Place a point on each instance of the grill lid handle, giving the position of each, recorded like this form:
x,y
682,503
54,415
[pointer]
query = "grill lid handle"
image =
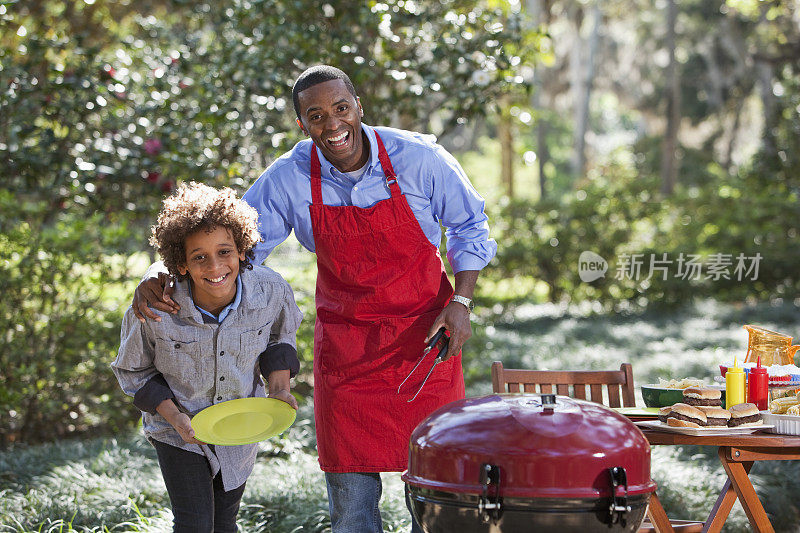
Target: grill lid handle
x,y
619,507
490,506
548,403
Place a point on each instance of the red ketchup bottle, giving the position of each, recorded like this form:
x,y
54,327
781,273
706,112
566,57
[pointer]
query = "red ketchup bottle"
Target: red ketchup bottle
x,y
758,387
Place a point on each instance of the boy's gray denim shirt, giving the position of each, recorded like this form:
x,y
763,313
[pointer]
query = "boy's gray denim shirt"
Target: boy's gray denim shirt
x,y
205,364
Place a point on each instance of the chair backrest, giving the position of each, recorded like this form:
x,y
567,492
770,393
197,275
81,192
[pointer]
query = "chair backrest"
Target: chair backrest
x,y
618,383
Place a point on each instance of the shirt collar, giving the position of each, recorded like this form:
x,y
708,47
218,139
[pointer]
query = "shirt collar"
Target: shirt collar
x,y
327,169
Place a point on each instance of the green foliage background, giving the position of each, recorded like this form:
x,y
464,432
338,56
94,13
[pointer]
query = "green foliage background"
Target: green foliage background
x,y
106,105
617,213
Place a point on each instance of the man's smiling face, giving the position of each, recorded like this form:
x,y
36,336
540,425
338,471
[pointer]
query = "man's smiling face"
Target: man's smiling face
x,y
331,116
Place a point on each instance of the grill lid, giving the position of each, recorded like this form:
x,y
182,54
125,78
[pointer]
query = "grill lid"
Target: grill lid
x,y
542,446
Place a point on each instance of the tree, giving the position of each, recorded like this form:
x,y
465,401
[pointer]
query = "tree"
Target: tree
x,y
76,181
539,15
582,86
669,144
505,135
105,105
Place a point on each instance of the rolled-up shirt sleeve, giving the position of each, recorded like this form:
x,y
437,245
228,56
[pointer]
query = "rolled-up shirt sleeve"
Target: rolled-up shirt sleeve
x,y
281,353
152,393
460,209
134,365
279,357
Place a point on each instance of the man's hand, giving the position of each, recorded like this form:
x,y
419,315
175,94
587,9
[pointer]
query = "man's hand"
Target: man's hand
x,y
455,316
154,292
455,319
178,420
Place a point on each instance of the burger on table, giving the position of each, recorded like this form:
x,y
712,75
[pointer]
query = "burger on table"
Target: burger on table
x,y
702,407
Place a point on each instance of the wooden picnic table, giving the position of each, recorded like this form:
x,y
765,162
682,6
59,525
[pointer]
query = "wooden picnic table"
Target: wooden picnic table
x,y
737,453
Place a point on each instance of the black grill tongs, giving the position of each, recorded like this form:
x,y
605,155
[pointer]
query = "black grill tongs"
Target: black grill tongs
x,y
442,351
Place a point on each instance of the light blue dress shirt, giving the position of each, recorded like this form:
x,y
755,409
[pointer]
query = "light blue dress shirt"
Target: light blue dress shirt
x,y
435,186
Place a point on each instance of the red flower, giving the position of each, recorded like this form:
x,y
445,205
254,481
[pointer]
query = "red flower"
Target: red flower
x,y
152,177
108,72
153,146
167,186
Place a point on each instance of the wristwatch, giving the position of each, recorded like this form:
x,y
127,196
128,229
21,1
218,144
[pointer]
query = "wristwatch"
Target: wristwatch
x,y
463,300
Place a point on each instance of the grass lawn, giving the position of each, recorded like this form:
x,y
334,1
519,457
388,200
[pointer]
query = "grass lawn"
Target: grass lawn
x,y
115,484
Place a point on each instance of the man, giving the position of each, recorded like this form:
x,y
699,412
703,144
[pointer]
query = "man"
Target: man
x,y
369,201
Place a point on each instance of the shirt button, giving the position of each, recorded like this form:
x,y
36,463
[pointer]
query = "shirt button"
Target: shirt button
x,y
259,332
222,378
222,352
177,346
219,398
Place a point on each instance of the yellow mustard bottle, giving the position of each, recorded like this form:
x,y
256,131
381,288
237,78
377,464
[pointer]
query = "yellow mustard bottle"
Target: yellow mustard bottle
x,y
734,386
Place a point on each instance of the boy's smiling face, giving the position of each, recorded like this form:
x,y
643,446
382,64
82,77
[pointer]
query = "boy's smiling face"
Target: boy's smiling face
x,y
212,263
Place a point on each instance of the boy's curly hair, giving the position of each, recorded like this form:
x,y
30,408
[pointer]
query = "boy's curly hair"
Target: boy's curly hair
x,y
194,207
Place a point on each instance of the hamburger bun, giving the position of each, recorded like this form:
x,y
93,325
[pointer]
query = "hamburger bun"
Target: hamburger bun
x,y
682,412
702,396
663,413
716,416
719,411
743,409
744,415
674,422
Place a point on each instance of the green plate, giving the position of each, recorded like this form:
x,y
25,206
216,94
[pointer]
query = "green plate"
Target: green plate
x,y
651,412
242,421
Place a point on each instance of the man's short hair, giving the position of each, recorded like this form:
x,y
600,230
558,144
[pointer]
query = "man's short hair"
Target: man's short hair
x,y
315,75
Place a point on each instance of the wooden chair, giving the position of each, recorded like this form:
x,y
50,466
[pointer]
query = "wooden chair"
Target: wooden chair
x,y
618,383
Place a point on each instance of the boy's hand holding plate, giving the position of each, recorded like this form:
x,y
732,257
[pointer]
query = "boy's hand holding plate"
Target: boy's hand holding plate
x,y
243,421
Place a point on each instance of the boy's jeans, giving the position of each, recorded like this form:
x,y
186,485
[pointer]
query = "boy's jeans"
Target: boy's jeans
x,y
199,502
353,502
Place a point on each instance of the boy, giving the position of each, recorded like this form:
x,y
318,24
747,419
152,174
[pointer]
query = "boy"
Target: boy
x,y
235,320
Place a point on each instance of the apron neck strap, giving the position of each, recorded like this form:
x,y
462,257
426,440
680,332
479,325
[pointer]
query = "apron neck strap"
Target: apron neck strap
x,y
386,165
316,177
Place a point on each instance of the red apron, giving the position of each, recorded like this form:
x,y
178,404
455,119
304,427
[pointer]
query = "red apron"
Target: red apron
x,y
380,285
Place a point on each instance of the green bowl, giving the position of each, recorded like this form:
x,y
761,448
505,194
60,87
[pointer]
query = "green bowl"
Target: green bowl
x,y
655,396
